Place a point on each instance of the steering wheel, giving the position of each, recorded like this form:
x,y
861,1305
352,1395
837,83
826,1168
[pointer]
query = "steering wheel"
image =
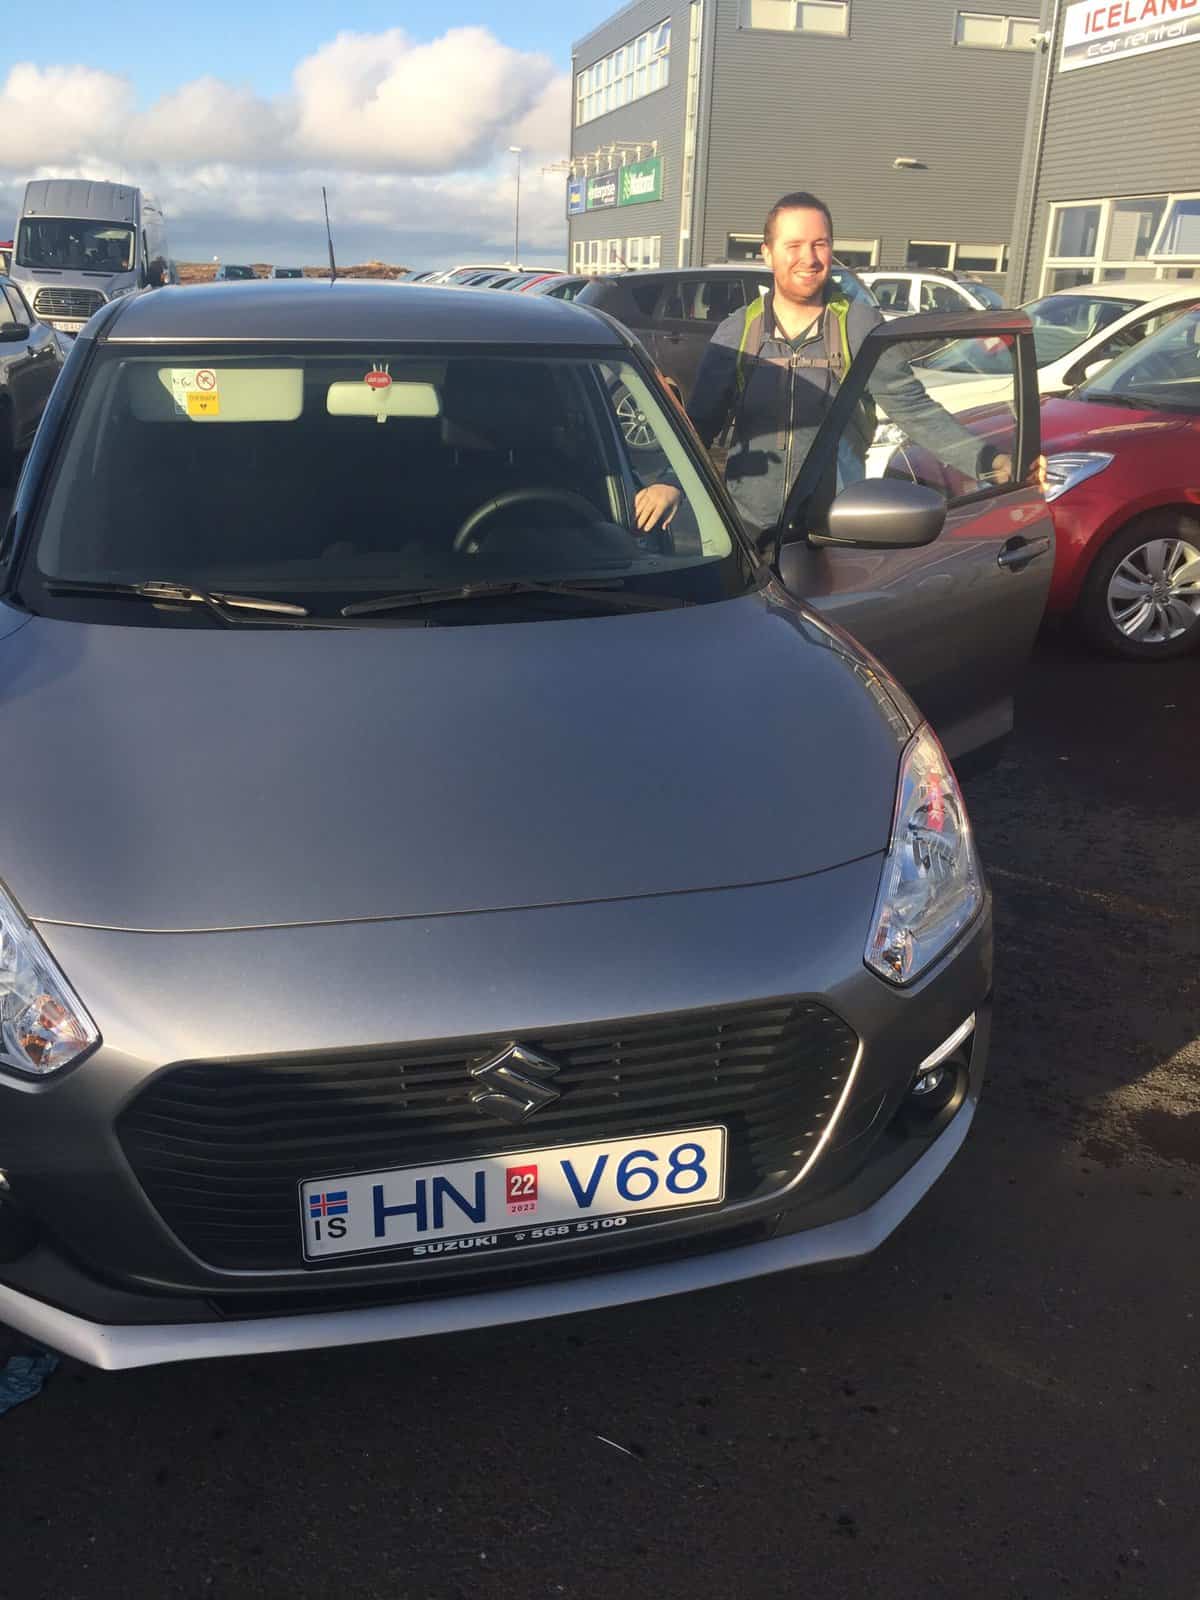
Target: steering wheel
x,y
466,536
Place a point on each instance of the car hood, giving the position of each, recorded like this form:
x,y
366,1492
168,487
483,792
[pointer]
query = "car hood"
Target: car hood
x,y
187,779
1090,424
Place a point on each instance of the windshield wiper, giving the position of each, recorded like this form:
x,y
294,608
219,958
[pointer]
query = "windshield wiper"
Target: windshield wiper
x,y
224,606
616,598
1104,398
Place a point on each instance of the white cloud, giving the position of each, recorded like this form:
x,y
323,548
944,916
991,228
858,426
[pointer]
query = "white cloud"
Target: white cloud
x,y
53,114
412,139
380,101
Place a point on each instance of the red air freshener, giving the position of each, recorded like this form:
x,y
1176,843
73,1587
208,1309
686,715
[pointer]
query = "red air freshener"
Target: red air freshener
x,y
378,380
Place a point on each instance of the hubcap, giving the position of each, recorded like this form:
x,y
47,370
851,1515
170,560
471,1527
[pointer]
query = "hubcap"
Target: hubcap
x,y
632,419
1154,595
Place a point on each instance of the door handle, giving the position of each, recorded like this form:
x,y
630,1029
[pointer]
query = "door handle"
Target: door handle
x,y
673,338
1019,552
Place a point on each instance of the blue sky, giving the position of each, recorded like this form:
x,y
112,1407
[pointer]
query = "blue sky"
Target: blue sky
x,y
162,45
234,115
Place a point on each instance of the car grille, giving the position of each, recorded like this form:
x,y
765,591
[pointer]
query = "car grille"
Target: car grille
x,y
68,302
220,1148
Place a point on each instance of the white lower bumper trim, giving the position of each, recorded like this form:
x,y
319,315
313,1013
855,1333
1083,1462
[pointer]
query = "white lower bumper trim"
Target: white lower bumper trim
x,y
114,1348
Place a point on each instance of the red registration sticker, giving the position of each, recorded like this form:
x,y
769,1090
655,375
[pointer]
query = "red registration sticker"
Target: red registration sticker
x,y
521,1188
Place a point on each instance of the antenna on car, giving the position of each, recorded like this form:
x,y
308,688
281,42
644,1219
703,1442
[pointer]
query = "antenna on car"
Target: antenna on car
x,y
329,236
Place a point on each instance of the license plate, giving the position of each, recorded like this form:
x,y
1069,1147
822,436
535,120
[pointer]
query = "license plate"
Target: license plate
x,y
524,1197
67,327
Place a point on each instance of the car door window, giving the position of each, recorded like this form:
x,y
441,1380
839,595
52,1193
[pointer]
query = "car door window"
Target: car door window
x,y
13,308
707,300
892,293
942,297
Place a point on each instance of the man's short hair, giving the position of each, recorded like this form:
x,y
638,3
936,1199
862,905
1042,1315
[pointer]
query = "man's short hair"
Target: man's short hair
x,y
800,200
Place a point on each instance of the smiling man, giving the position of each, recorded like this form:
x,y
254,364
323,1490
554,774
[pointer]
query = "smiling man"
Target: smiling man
x,y
772,369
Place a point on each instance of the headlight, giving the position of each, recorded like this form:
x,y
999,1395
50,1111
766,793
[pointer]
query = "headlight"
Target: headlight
x,y
889,434
1064,471
43,1026
932,885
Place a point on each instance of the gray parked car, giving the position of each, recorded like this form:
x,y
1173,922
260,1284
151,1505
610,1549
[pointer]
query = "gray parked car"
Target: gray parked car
x,y
30,361
439,904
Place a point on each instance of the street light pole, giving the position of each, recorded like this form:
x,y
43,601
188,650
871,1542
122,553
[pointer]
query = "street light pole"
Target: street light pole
x,y
515,149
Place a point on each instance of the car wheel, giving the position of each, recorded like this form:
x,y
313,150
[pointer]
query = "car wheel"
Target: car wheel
x,y
634,424
1141,598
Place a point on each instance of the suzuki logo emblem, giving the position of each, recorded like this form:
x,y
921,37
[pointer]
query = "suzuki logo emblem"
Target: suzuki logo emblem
x,y
514,1084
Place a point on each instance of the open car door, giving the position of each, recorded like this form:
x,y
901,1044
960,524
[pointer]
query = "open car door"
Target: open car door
x,y
954,619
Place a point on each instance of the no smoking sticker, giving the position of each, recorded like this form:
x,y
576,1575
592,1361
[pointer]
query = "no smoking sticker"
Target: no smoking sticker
x,y
195,391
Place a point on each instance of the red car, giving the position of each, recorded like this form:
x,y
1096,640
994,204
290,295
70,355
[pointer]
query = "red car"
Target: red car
x,y
1124,483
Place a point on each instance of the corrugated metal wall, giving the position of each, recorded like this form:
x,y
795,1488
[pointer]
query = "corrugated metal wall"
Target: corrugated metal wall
x,y
1129,127
831,115
656,116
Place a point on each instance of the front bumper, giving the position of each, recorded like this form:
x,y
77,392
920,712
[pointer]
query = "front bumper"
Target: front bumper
x,y
105,1278
116,1347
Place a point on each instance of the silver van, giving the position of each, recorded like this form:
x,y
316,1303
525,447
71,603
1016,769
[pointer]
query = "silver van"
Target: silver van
x,y
82,244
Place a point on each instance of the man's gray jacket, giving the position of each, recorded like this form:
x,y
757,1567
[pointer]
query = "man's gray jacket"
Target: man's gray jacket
x,y
776,396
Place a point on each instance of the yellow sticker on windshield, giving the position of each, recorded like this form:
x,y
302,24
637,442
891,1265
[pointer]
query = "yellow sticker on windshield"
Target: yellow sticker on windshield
x,y
203,403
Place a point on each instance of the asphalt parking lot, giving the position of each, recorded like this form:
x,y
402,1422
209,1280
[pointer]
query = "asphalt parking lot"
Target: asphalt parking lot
x,y
1002,1402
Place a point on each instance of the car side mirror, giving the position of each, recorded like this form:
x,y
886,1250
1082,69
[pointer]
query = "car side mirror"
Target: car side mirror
x,y
1093,370
883,514
13,333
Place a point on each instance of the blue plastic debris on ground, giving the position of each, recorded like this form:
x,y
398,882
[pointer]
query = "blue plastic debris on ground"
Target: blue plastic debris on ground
x,y
22,1377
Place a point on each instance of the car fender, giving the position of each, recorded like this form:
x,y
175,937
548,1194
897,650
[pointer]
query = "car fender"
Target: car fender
x,y
1084,524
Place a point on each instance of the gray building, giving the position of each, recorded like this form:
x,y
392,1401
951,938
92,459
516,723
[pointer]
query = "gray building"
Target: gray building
x,y
909,120
1110,183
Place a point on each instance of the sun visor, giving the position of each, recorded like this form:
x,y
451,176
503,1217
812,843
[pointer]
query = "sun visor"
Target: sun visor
x,y
216,394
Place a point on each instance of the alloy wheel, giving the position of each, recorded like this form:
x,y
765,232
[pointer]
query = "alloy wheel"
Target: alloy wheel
x,y
634,424
1154,593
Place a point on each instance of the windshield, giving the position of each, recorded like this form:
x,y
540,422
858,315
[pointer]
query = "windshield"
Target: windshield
x,y
1061,322
68,245
328,479
1162,371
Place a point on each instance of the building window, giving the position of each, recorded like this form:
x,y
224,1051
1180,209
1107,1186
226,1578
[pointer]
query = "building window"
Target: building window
x,y
830,17
614,256
983,30
1179,236
856,252
1134,237
643,253
633,70
980,258
1076,231
930,255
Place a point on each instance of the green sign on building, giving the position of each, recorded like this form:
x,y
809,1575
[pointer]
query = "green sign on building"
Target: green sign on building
x,y
640,181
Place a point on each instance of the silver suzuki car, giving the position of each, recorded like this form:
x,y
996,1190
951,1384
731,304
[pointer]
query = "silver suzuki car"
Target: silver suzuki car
x,y
427,901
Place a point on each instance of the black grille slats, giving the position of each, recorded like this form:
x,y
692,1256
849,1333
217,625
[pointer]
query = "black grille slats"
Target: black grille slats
x,y
63,302
221,1147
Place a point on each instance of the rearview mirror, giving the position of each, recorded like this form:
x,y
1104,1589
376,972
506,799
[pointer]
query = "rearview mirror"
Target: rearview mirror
x,y
13,333
884,514
1094,369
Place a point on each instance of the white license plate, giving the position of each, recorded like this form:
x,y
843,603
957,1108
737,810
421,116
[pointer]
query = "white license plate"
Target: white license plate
x,y
68,327
524,1197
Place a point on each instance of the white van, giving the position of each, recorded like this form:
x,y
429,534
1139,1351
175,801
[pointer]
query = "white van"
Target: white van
x,y
81,244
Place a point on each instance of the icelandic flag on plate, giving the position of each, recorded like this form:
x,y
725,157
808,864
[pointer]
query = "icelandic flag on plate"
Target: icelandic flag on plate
x,y
334,1203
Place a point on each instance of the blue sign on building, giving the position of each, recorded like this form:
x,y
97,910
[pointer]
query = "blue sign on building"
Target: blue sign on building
x,y
576,197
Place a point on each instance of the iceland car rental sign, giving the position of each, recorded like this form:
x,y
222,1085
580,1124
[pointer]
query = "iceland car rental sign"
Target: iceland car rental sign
x,y
1096,31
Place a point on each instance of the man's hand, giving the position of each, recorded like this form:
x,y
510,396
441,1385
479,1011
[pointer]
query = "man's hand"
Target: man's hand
x,y
1000,471
656,504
